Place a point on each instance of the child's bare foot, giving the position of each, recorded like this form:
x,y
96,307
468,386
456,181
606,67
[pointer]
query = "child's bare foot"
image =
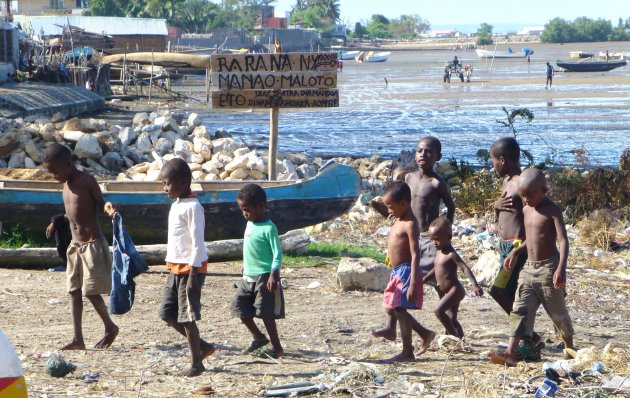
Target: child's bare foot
x,y
193,371
108,339
74,345
279,353
536,339
426,343
207,351
502,358
402,357
385,333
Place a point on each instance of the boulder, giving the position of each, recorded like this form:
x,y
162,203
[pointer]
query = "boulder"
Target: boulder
x,y
88,147
29,163
237,163
140,119
73,124
196,158
201,132
113,161
211,177
297,158
198,175
127,136
7,144
256,175
72,135
46,127
33,151
3,164
152,175
163,146
222,133
108,141
256,163
226,145
486,267
307,171
58,117
362,274
194,120
212,167
144,144
241,151
239,174
93,125
16,161
151,127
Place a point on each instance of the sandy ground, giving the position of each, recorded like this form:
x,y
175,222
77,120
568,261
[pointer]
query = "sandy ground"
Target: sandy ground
x,y
325,330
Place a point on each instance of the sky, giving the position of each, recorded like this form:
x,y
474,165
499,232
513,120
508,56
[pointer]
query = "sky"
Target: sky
x,y
454,13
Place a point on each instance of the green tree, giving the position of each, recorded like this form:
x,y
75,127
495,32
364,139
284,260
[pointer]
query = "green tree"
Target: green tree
x,y
558,30
107,8
198,16
359,31
484,34
587,30
408,26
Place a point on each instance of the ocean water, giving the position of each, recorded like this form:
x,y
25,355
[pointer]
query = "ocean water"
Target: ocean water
x,y
387,107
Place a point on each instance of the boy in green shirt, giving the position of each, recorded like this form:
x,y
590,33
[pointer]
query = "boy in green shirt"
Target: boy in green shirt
x,y
259,293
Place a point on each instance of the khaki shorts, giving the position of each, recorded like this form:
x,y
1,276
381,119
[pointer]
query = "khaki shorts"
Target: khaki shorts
x,y
89,267
535,287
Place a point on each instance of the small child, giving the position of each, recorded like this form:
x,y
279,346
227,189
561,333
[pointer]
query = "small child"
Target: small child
x,y
428,189
445,271
259,292
89,260
543,278
186,259
404,290
505,154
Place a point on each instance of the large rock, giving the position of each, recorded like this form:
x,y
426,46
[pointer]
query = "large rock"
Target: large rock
x,y
237,163
73,124
163,146
72,135
108,141
34,152
88,147
17,160
127,136
226,145
201,132
362,274
143,143
58,117
486,267
7,144
113,161
140,119
194,120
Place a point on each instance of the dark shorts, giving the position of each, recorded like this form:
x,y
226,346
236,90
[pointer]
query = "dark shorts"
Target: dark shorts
x,y
253,299
427,257
176,304
508,280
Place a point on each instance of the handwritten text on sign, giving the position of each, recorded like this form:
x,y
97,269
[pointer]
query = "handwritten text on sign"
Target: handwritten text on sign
x,y
306,98
273,80
288,62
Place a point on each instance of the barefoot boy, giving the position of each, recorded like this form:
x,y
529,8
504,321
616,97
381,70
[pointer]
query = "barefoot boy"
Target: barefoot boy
x,y
186,259
543,278
259,292
404,290
428,189
89,259
445,272
505,154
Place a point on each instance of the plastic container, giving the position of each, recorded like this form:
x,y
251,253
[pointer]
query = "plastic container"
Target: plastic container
x,y
12,384
547,389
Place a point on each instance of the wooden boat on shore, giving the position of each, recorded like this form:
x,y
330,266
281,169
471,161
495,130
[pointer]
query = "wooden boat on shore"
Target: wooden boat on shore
x,y
504,54
291,204
580,54
590,66
371,56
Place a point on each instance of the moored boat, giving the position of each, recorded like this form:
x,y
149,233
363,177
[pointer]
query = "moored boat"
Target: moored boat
x,y
590,66
290,204
504,54
346,55
580,54
371,56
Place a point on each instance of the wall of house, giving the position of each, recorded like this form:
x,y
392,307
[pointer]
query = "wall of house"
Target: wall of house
x,y
43,7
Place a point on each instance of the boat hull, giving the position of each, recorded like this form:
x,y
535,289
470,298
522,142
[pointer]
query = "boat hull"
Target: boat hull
x,y
499,54
326,196
590,66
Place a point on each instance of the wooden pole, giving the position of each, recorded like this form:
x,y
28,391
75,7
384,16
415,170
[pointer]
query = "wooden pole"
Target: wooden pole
x,y
273,142
123,73
207,85
151,78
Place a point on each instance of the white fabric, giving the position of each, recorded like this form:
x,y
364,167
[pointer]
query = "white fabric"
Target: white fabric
x,y
9,361
186,225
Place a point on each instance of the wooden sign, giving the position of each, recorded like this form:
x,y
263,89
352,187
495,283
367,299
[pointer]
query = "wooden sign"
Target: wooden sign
x,y
283,62
304,98
273,80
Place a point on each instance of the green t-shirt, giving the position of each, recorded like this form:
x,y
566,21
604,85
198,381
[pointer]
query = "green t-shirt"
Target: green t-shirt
x,y
261,248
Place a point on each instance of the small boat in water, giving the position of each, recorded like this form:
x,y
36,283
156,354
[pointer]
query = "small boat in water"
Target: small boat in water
x,y
371,56
611,55
346,55
590,65
291,204
504,54
580,54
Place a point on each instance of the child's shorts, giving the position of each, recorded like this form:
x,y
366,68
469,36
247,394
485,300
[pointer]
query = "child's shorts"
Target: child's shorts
x,y
395,295
253,299
427,256
89,267
505,279
176,303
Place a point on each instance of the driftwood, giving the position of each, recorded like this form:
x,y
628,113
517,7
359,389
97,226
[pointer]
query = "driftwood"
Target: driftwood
x,y
220,250
161,59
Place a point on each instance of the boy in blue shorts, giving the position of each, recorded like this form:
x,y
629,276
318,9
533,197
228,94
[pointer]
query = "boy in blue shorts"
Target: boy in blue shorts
x,y
404,290
259,293
186,259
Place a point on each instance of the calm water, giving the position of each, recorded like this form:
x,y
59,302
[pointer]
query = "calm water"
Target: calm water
x,y
583,109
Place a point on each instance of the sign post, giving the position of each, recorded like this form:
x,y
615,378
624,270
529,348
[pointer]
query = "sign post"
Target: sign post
x,y
274,81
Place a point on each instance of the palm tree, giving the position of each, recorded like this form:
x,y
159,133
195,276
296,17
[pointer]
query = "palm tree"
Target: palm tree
x,y
330,8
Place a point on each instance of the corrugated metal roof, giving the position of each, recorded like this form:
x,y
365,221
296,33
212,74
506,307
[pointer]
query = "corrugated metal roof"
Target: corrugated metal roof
x,y
52,25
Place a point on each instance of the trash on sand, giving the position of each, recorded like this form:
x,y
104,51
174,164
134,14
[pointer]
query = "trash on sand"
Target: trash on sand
x,y
547,389
597,368
56,366
58,268
452,343
299,388
313,285
618,382
91,378
404,387
204,390
56,302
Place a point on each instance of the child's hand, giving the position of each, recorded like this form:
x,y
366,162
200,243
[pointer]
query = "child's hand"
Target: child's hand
x,y
504,203
412,293
109,209
478,291
507,263
273,281
560,278
50,231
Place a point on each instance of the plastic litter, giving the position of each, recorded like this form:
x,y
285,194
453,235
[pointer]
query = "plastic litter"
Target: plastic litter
x,y
597,368
547,389
313,285
58,268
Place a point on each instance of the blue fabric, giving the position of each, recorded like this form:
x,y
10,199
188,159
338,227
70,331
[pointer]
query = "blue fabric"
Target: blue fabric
x,y
126,265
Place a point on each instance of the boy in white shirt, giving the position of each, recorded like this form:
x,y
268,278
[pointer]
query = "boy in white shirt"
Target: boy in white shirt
x,y
186,258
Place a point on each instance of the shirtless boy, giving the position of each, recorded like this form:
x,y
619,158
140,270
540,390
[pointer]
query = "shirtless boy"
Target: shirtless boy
x,y
404,290
543,278
428,189
445,272
505,154
89,263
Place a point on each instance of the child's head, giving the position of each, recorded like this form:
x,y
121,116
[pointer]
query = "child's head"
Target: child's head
x,y
58,162
251,200
532,186
397,198
505,154
176,177
441,232
428,152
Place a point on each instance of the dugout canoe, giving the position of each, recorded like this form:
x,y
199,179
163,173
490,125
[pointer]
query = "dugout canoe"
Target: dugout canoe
x,y
292,204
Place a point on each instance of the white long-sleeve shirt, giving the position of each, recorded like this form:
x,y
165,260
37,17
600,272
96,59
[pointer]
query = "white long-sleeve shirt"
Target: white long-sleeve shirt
x,y
186,226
